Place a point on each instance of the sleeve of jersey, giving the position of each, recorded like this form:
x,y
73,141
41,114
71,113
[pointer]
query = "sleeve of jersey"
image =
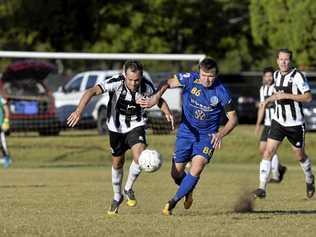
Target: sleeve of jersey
x,y
108,85
184,78
302,83
226,100
261,94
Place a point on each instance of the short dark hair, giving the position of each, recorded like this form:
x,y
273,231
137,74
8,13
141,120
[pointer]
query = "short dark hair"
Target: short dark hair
x,y
134,66
208,64
285,50
268,69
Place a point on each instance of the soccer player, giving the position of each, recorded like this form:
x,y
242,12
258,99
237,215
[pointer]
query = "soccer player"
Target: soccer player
x,y
126,124
204,98
291,90
5,125
266,112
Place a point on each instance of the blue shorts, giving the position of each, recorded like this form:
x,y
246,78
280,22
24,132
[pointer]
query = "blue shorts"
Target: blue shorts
x,y
188,147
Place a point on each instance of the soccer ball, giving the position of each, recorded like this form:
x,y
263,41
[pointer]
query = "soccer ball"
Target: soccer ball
x,y
150,160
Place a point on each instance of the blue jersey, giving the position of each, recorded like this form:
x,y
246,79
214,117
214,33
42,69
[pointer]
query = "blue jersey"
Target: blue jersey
x,y
202,106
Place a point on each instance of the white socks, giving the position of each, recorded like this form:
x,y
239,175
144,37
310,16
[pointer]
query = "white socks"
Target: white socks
x,y
265,167
275,167
307,168
117,176
134,171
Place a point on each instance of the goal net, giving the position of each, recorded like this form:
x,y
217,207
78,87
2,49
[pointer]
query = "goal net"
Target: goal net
x,y
42,88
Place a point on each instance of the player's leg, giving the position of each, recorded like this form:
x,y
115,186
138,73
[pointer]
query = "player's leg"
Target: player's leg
x,y
203,152
277,169
296,136
275,137
187,185
6,158
136,140
189,182
118,150
181,157
117,177
265,167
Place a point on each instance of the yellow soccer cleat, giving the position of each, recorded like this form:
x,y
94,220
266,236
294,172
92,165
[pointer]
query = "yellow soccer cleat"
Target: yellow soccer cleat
x,y
167,210
130,196
188,200
114,207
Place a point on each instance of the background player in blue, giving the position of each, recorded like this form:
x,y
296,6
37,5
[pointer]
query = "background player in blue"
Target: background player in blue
x,y
203,100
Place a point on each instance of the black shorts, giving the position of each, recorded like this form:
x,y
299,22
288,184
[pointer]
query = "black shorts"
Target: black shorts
x,y
295,134
265,133
121,142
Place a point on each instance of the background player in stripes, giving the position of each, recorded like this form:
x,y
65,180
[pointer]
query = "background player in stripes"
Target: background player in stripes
x,y
265,113
291,90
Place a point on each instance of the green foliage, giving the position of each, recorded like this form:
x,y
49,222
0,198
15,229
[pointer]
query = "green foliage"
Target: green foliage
x,y
286,23
219,29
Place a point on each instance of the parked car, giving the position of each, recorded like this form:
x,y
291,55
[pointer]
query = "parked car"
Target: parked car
x,y
244,89
309,110
31,103
68,96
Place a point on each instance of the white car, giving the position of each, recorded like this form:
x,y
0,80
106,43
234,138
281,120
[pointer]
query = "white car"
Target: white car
x,y
68,96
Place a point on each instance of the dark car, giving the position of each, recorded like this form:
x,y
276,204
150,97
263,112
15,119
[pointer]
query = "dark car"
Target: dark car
x,y
244,89
31,103
309,110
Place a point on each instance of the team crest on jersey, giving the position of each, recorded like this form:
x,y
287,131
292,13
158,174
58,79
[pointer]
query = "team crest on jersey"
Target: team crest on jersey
x,y
200,115
214,100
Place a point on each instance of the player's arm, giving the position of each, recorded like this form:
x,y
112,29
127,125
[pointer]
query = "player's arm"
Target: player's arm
x,y
162,104
305,98
228,127
154,99
260,116
74,117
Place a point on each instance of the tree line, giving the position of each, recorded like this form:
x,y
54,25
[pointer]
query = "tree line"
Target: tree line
x,y
239,34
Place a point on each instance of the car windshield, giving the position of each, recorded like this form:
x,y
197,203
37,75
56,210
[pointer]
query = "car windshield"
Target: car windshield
x,y
25,87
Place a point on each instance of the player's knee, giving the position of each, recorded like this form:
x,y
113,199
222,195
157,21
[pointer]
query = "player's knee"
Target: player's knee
x,y
267,154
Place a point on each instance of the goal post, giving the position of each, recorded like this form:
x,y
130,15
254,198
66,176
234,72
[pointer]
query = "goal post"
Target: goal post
x,y
90,118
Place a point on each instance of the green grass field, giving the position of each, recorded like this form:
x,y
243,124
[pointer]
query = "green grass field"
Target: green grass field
x,y
61,186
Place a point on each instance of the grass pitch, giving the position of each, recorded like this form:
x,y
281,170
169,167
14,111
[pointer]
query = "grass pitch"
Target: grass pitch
x,y
61,186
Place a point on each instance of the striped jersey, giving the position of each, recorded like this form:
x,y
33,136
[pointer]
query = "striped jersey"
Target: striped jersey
x,y
289,112
265,92
123,114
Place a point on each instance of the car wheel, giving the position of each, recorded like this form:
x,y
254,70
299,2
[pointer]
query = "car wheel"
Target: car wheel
x,y
101,123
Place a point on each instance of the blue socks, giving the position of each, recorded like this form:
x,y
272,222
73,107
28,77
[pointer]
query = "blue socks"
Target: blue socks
x,y
187,185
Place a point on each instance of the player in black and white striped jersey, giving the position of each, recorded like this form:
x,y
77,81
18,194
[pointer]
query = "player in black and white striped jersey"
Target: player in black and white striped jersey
x,y
265,113
126,124
291,90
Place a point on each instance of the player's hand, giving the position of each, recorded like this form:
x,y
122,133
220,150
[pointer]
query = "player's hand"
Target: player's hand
x,y
217,140
170,119
73,119
5,125
147,102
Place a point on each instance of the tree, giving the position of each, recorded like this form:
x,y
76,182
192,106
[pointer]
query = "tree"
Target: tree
x,y
286,24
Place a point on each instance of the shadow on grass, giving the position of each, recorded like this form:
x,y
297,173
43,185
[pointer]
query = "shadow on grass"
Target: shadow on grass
x,y
74,165
285,212
24,186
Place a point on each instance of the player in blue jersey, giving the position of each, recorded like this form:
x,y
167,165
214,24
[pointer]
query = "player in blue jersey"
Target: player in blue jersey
x,y
203,100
